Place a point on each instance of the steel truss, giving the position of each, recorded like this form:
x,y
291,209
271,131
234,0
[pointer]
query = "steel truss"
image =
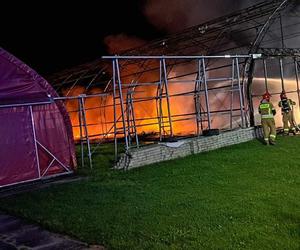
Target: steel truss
x,y
203,88
251,31
206,81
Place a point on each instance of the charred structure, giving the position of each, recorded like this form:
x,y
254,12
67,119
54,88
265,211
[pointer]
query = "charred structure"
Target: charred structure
x,y
206,77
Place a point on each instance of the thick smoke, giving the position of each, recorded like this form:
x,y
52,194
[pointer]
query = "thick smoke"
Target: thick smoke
x,y
182,14
173,16
176,15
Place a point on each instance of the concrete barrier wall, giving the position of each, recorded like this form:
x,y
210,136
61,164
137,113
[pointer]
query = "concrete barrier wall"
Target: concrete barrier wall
x,y
166,151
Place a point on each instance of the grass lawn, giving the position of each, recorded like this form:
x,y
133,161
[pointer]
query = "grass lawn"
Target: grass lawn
x,y
245,196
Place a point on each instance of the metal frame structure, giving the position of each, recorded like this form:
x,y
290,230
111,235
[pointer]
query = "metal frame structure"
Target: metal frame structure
x,y
124,125
284,59
116,80
203,86
38,145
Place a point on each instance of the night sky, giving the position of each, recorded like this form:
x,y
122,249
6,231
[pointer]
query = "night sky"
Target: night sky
x,y
51,37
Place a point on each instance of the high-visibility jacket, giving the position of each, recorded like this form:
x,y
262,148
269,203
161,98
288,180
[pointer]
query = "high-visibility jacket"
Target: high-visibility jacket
x,y
267,110
286,105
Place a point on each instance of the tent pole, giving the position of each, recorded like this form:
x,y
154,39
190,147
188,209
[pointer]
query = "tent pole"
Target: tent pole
x,y
240,91
281,74
197,97
122,105
232,93
297,79
86,131
159,103
206,93
165,81
35,142
115,111
80,129
265,75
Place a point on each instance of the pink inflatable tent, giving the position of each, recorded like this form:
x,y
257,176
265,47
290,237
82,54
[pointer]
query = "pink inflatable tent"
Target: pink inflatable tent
x,y
36,139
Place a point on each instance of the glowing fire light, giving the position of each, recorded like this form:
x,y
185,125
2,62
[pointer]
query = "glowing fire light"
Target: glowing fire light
x,y
100,112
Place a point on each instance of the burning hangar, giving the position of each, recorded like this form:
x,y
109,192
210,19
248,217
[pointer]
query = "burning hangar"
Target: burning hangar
x,y
209,76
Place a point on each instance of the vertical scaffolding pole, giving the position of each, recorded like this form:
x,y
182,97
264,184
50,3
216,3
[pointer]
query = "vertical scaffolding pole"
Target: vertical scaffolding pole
x,y
245,102
122,104
281,74
86,130
115,110
101,114
133,121
132,130
206,93
200,84
265,75
159,101
197,97
81,134
129,125
232,92
240,91
167,96
35,142
297,79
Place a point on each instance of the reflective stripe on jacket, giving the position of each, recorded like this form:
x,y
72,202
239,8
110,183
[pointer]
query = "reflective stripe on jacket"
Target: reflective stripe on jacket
x,y
266,110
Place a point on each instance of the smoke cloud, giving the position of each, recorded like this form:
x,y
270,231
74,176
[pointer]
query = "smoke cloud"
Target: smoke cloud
x,y
176,15
173,16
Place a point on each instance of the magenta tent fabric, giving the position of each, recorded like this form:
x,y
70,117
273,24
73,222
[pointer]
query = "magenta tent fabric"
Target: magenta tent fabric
x,y
36,139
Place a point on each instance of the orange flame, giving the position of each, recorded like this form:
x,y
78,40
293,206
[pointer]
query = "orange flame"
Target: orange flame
x,y
99,111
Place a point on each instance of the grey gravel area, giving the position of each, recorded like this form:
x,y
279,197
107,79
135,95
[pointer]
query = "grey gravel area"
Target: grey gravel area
x,y
17,234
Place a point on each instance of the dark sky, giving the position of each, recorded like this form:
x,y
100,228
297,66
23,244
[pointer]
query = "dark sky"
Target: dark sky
x,y
53,36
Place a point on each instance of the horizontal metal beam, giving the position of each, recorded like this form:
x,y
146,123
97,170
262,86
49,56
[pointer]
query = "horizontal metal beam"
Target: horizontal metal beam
x,y
176,57
24,104
280,52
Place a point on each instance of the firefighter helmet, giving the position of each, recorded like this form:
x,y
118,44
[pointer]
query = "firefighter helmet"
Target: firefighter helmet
x,y
283,95
266,96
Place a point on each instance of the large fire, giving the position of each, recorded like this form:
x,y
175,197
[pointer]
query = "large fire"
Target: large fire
x,y
100,110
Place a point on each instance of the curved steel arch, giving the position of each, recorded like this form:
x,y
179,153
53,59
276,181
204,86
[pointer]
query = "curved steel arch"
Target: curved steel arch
x,y
255,46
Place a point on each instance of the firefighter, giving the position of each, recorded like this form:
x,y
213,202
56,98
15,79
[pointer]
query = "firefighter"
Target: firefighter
x,y
267,112
287,114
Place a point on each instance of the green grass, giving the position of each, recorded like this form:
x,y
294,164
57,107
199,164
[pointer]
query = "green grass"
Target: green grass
x,y
245,196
